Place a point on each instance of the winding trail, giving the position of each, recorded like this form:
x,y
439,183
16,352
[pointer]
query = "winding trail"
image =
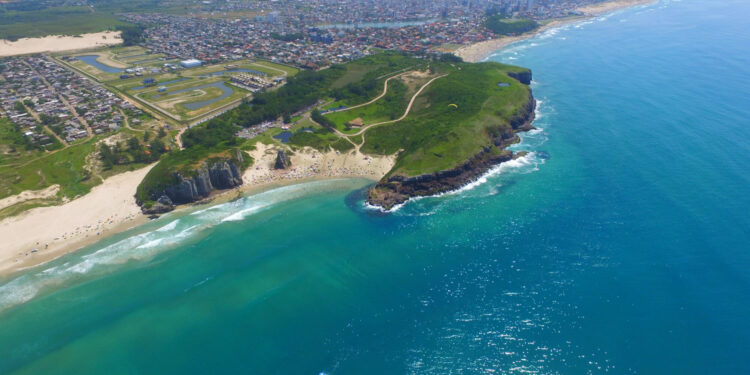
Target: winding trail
x,y
126,121
385,91
406,112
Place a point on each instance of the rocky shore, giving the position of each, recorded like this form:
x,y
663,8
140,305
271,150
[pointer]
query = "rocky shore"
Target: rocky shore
x,y
397,189
209,176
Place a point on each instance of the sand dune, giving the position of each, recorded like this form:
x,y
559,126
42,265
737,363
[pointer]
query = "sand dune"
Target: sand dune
x,y
57,43
45,233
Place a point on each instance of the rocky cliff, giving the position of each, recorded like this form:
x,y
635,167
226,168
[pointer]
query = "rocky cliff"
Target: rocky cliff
x,y
209,175
523,77
396,189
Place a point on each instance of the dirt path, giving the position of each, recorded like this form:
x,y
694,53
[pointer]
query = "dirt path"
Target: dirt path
x,y
385,91
406,113
283,73
126,121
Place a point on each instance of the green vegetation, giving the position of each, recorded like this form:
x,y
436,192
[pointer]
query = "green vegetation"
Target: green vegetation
x,y
131,35
457,116
391,106
34,171
452,120
133,151
500,25
215,140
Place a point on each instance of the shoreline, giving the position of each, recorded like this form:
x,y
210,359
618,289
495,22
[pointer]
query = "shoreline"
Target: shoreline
x,y
110,208
59,43
84,222
46,233
480,51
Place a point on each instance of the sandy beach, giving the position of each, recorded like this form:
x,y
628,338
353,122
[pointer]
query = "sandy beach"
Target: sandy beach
x,y
479,51
45,233
57,43
312,164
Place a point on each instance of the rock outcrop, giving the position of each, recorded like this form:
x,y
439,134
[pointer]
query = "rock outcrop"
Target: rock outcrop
x,y
282,160
523,77
210,175
397,189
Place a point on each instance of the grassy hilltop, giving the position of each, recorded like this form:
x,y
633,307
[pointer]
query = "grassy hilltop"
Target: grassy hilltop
x,y
437,113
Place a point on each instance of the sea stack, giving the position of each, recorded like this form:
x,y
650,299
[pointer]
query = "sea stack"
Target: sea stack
x,y
282,160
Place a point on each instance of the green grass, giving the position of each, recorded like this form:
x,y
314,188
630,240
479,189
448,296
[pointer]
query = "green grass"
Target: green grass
x,y
290,71
320,139
390,107
65,167
438,135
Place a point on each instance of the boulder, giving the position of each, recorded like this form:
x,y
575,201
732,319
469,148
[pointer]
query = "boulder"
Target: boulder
x,y
282,160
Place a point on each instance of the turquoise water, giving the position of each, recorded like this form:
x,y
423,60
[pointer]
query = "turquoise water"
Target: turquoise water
x,y
619,246
91,60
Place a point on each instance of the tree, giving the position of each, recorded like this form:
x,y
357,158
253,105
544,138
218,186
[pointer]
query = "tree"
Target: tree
x,y
157,147
162,133
131,35
146,136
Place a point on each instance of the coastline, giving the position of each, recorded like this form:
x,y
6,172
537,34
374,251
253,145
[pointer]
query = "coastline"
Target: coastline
x,y
480,51
58,43
59,230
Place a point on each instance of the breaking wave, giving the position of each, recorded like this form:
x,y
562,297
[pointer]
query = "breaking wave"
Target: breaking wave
x,y
180,229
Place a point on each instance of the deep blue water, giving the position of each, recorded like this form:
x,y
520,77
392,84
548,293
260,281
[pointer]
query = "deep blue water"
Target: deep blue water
x,y
620,245
91,60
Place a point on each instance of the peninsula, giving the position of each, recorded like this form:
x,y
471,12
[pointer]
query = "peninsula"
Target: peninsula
x,y
444,121
268,98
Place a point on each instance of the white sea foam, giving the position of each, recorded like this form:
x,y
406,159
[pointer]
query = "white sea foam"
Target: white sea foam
x,y
524,164
144,246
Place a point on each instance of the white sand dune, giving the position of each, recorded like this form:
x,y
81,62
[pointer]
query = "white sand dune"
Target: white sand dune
x,y
58,43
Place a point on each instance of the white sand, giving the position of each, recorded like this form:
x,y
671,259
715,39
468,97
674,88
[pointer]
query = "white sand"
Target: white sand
x,y
27,195
311,164
57,43
110,207
481,50
54,231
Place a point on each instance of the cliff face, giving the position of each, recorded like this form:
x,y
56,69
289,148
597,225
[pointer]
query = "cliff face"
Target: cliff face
x,y
523,77
397,189
210,175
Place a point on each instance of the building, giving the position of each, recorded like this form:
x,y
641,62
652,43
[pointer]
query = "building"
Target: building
x,y
191,63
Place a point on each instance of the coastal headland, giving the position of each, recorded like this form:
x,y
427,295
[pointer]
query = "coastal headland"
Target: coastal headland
x,y
414,126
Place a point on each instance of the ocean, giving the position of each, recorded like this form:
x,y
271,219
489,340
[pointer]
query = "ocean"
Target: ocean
x,y
619,245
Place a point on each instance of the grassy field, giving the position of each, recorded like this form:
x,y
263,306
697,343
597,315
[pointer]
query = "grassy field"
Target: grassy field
x,y
452,120
391,106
